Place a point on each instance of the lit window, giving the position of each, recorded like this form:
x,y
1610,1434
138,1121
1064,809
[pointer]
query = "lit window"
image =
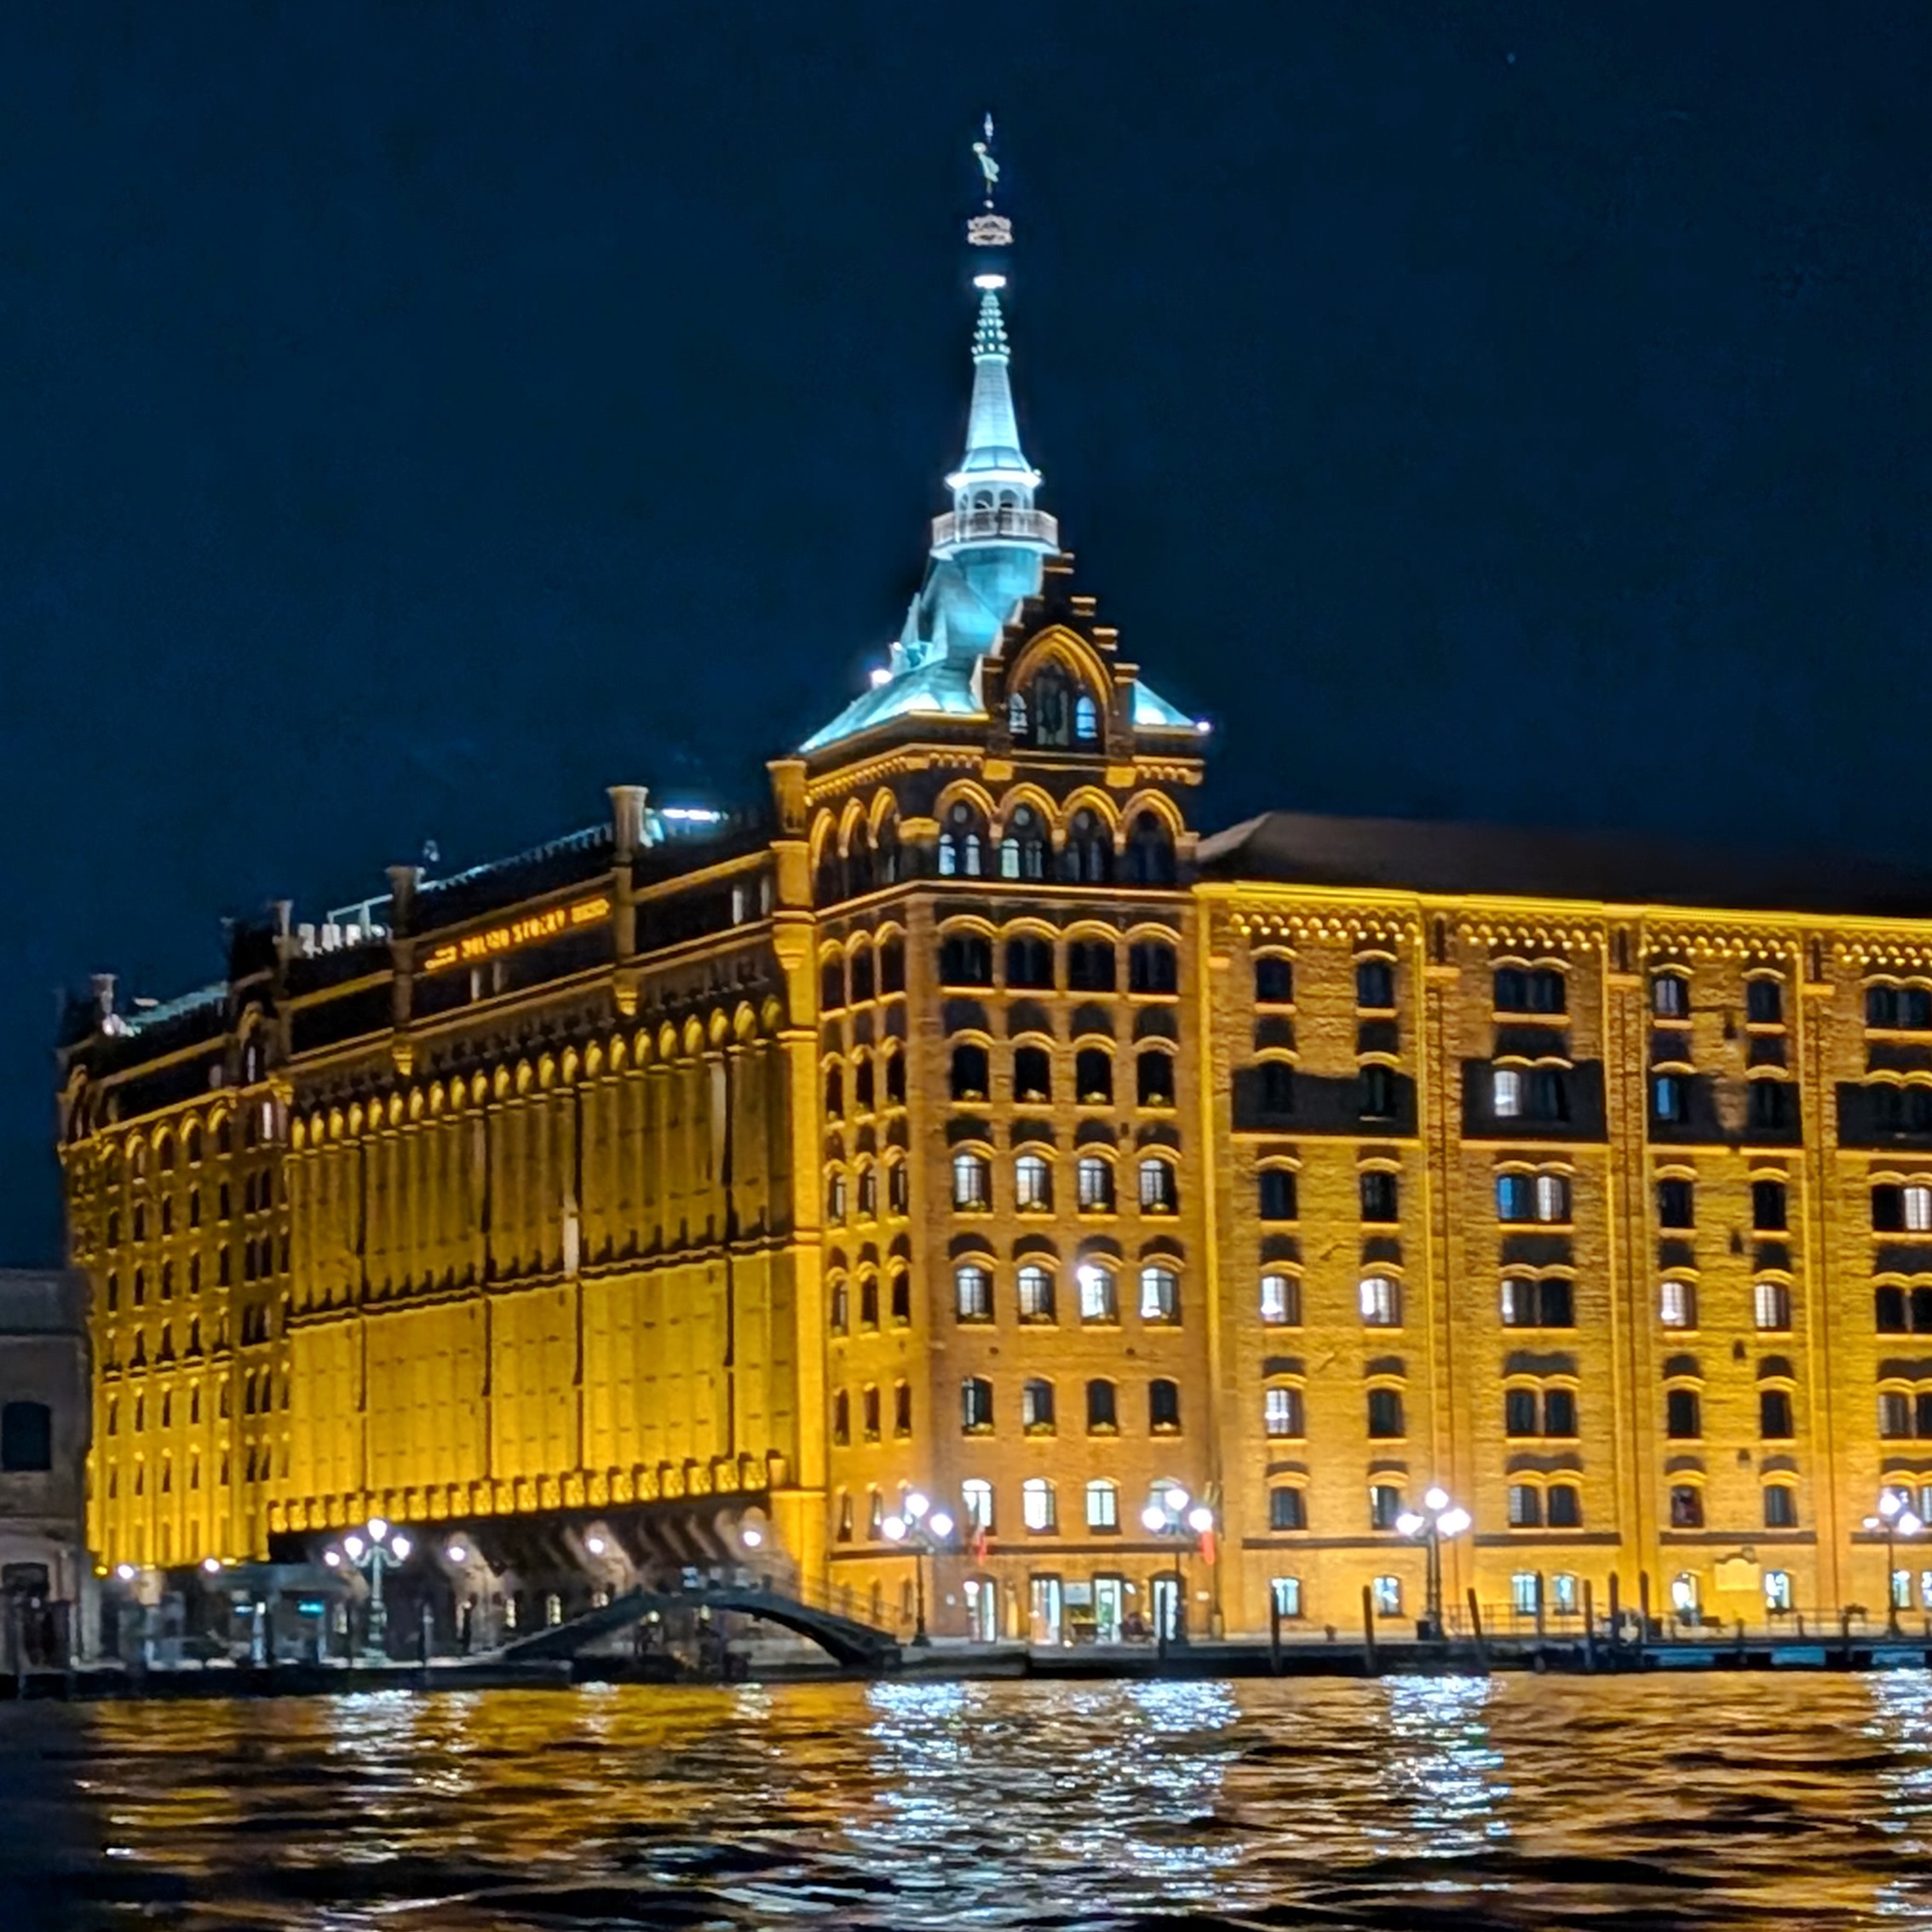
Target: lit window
x,y
1676,1304
972,1181
1505,1092
1097,1300
1381,1301
1281,1301
1036,1407
1917,1205
972,1293
1103,1506
1525,1592
1516,1197
1287,1509
1160,1192
1777,1591
1388,1596
1281,1411
1036,1504
976,1503
1566,1594
1669,996
1771,1306
1035,1294
1670,1098
1160,1295
1525,1506
1094,1178
1552,1198
975,1395
1385,1505
1284,1593
1033,1183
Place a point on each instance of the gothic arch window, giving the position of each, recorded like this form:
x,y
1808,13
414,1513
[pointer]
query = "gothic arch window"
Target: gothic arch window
x,y
1052,696
1150,851
886,854
1022,850
961,846
1086,720
1089,850
859,874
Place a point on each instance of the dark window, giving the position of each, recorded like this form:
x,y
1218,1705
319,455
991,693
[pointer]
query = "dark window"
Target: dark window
x,y
1511,990
965,960
1559,1412
869,1302
1380,1193
834,1093
1890,1309
1050,699
1773,1104
1033,1074
1377,1088
1276,1187
895,1079
901,1283
902,1409
1670,1099
969,1072
1093,1076
975,1404
1687,1507
1029,962
1564,1504
1277,1086
1888,1209
27,1437
1775,1415
891,966
1164,1406
1152,967
1682,1421
1521,989
1154,1078
1150,851
1764,1002
831,984
1090,966
1274,981
1549,1093
869,1409
1375,983
1519,1413
1035,1406
862,975
1384,1413
1557,1301
1780,1506
842,1419
862,1085
1103,1417
1385,1505
1287,1509
1675,1203
1088,859
1670,997
1768,1203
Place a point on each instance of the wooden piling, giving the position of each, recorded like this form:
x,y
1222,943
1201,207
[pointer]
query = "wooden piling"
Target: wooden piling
x,y
1368,1629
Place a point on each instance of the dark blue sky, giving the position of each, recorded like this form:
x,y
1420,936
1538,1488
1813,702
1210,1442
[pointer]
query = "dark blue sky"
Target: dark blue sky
x,y
413,419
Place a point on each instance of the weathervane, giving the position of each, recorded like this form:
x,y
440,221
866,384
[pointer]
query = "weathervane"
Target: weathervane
x,y
986,229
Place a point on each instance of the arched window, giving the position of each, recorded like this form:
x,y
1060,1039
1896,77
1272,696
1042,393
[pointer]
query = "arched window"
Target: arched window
x,y
1281,1301
1103,1415
1386,1421
832,984
1154,1078
1086,720
975,1406
834,1093
1022,850
1033,1074
1281,1412
1091,966
842,1419
900,1299
894,1077
969,1074
1035,1406
839,1303
1103,1502
1033,1183
26,1438
972,1181
1052,698
836,1194
1098,1300
1093,1077
1029,963
1089,856
961,846
972,1292
1164,1406
1275,1194
1160,1186
1036,1293
869,1302
1150,851
862,1083
965,960
859,874
1036,1507
1093,1174
1152,967
1160,1295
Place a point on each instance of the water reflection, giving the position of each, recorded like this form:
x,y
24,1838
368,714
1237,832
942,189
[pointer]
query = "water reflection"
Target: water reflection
x,y
1717,1801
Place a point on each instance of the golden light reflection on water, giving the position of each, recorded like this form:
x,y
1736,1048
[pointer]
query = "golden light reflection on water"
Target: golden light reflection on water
x,y
1711,1800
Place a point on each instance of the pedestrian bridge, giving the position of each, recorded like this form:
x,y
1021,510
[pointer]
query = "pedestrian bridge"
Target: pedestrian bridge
x,y
848,1641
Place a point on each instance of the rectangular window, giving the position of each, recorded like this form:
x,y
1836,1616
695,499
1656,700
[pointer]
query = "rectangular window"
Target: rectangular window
x,y
1379,1191
1385,1505
973,1291
1285,1594
1103,1506
1505,1092
1771,1305
1036,1504
1516,1197
1525,1592
1917,1202
1275,1187
1676,1304
1778,1592
1552,1198
1381,1300
1281,1411
976,1503
1566,1596
1388,1596
1669,996
1287,1509
1676,1205
1687,1507
1525,1506
1767,1206
1563,1506
1780,1506
1097,1299
1670,1098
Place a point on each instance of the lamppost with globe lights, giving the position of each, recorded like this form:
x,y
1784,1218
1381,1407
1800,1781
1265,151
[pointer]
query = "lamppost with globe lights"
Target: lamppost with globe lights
x,y
1173,1513
1437,1518
1896,1519
377,1550
924,1531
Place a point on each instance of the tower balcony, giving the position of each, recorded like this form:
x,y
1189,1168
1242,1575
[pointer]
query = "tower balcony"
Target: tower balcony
x,y
957,529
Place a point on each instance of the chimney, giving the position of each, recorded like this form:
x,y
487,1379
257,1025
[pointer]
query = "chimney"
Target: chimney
x,y
627,819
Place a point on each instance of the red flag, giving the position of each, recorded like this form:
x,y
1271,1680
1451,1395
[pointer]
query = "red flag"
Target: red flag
x,y
1207,1545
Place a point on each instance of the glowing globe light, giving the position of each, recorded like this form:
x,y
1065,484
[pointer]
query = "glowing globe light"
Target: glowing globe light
x,y
1200,1519
125,1572
893,1529
1454,1523
1409,1523
378,1528
916,1506
751,1536
353,1548
402,1546
456,1553
1154,1517
333,1558
1436,1499
595,1545
211,1564
1175,1499
942,1524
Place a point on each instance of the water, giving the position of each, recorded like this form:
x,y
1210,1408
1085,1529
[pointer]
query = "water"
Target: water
x,y
1716,1801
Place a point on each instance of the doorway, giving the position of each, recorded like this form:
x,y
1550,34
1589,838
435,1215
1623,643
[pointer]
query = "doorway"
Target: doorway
x,y
1109,1609
1048,1607
982,1610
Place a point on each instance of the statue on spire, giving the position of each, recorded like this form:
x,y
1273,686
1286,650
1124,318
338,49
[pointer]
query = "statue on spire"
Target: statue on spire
x,y
987,229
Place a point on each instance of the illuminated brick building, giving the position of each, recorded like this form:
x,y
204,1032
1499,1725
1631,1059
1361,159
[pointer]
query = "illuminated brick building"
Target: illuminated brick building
x,y
967,1121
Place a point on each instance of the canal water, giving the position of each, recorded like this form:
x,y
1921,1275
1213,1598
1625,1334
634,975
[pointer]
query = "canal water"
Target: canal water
x,y
1720,1801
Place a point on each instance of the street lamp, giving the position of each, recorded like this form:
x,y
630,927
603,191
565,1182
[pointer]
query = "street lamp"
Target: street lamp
x,y
378,1550
1437,1518
924,1531
1896,1520
1173,1513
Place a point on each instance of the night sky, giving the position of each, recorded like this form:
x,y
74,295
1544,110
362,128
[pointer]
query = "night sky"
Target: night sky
x,y
416,419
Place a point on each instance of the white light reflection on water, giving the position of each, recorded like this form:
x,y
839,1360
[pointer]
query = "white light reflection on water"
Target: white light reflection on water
x,y
1901,1721
1113,1788
1444,1797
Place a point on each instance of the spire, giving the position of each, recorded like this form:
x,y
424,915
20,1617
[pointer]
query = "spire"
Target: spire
x,y
993,489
